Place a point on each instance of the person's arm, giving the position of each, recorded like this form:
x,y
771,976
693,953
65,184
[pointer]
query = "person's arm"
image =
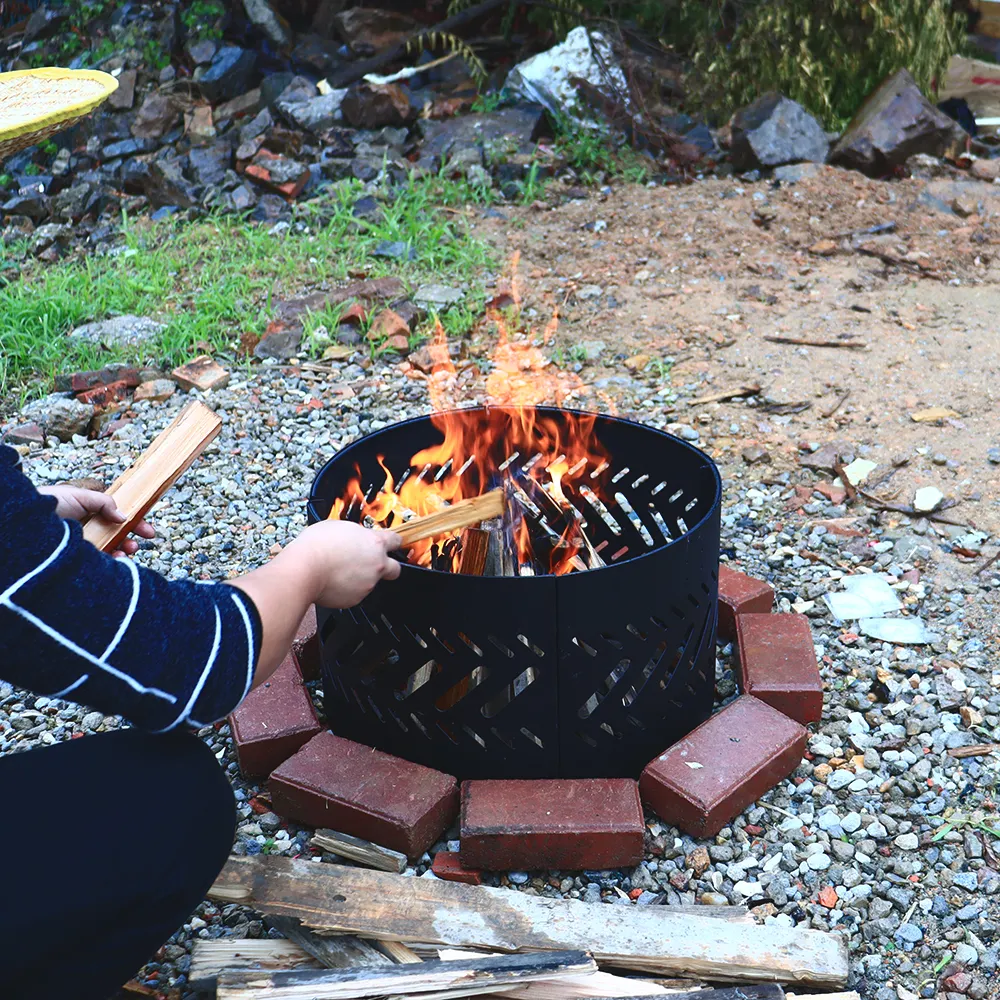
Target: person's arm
x,y
75,622
332,563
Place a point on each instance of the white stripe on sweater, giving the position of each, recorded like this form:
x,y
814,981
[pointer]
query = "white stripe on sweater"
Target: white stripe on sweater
x,y
127,620
89,657
209,664
40,568
238,601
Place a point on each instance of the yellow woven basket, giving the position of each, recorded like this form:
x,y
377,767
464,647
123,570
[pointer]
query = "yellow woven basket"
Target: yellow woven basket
x,y
38,103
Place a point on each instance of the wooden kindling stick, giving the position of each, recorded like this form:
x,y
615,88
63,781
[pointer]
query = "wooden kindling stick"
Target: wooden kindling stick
x,y
463,514
154,472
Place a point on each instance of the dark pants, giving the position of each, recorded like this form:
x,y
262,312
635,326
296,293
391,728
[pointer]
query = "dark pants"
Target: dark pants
x,y
107,844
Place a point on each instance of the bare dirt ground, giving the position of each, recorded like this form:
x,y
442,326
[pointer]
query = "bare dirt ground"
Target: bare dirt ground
x,y
704,274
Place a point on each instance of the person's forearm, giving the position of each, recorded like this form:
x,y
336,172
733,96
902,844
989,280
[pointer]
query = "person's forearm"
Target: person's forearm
x,y
282,592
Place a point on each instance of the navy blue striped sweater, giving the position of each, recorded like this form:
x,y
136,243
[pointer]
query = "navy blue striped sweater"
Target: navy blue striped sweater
x,y
78,624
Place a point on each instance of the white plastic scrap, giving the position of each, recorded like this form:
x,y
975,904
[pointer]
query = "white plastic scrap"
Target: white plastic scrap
x,y
865,596
902,630
547,77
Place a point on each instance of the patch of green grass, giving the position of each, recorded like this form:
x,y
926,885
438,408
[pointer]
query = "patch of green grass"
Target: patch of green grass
x,y
200,17
590,150
485,103
215,279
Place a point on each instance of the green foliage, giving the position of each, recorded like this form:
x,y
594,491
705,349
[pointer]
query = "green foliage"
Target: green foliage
x,y
430,40
213,280
590,149
48,147
485,103
154,54
827,57
200,18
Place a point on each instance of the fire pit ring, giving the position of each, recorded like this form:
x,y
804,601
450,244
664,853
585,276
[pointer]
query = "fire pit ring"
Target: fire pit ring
x,y
590,674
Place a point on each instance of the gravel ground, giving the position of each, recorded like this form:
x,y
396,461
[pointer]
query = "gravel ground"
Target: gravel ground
x,y
874,837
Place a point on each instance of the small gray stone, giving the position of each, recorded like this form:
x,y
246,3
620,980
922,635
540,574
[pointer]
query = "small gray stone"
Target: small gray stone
x,y
965,954
910,932
438,296
92,720
907,841
967,880
818,862
119,330
68,417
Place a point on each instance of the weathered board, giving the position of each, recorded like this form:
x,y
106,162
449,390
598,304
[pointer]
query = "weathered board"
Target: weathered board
x,y
426,979
649,938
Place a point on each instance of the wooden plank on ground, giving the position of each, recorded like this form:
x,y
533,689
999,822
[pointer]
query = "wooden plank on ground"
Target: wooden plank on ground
x,y
427,979
154,472
362,851
338,899
209,958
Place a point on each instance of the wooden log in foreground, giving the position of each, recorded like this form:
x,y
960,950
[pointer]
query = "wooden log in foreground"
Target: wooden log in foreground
x,y
462,514
154,472
426,979
336,899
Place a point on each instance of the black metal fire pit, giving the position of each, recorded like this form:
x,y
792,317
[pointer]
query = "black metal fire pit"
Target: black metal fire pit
x,y
588,674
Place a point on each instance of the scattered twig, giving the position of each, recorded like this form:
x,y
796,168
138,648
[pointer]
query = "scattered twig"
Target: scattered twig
x,y
976,750
849,487
726,394
988,563
881,229
841,399
812,342
888,258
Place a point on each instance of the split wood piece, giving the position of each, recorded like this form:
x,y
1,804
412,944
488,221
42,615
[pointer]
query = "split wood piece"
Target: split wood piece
x,y
154,472
463,514
209,958
813,342
428,979
724,395
340,952
356,849
475,542
332,898
596,985
400,953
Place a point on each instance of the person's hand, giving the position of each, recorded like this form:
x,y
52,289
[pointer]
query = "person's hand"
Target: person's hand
x,y
348,560
77,504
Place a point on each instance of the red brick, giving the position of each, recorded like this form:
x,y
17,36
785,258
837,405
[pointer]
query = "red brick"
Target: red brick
x,y
448,865
554,823
778,664
744,750
333,782
274,721
102,395
738,595
305,646
80,381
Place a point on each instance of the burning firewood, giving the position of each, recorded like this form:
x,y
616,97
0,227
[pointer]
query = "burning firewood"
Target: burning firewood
x,y
463,514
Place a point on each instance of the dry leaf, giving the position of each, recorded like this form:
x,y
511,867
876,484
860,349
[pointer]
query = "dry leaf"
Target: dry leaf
x,y
932,415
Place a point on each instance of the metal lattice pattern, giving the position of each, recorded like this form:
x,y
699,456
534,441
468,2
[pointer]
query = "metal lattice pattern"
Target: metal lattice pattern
x,y
589,674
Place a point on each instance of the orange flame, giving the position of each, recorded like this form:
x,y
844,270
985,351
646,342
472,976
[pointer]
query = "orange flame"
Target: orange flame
x,y
539,456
